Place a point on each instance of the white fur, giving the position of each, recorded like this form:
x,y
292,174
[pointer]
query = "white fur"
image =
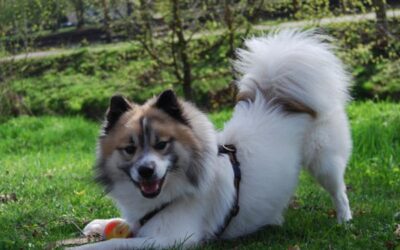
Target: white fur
x,y
272,146
295,64
162,165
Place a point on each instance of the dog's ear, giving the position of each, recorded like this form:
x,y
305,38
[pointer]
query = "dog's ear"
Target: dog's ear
x,y
118,106
168,102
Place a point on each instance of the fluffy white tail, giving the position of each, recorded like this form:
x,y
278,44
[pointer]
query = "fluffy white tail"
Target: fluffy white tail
x,y
298,66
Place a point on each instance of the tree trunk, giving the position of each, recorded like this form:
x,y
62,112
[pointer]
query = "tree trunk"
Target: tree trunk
x,y
343,6
382,30
107,19
296,7
380,11
334,5
145,23
129,8
80,11
182,51
230,26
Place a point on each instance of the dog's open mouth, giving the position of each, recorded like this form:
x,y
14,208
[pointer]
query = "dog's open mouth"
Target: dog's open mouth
x,y
151,189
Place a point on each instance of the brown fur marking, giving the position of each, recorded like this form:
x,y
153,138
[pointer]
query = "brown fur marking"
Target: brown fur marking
x,y
292,106
289,105
245,96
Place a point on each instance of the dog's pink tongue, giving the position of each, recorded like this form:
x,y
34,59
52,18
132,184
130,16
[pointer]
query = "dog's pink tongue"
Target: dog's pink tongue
x,y
150,187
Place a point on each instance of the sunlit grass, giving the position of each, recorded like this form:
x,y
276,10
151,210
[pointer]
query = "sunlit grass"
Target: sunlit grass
x,y
47,161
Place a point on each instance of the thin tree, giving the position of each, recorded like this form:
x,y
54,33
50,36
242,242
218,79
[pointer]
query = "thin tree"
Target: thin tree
x,y
295,7
236,14
129,8
174,41
381,18
106,20
170,29
180,49
79,7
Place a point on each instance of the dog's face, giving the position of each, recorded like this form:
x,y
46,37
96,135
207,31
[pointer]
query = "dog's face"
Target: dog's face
x,y
153,146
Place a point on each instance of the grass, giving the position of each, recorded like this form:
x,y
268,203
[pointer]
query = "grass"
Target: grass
x,y
46,162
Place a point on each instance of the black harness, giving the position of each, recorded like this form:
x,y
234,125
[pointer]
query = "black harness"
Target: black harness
x,y
152,213
229,150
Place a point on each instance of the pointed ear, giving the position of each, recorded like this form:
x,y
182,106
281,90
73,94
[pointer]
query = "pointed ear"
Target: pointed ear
x,y
168,102
118,106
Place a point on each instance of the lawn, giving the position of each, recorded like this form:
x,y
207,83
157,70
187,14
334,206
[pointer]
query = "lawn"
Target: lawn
x,y
47,192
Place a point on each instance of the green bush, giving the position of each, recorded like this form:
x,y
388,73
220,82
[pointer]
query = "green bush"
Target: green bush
x,y
81,82
372,58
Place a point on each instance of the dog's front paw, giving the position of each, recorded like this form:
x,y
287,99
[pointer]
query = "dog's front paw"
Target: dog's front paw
x,y
344,216
96,227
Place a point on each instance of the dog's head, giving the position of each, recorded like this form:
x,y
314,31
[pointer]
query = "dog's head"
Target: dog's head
x,y
156,147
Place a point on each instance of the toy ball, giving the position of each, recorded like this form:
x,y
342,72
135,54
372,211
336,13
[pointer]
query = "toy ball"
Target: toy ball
x,y
117,229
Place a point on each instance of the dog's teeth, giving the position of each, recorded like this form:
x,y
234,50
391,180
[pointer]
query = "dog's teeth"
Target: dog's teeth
x,y
150,188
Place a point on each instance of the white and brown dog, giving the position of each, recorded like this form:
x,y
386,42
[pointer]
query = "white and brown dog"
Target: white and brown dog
x,y
162,165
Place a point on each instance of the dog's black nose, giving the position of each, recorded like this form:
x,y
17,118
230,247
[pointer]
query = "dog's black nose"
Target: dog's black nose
x,y
147,171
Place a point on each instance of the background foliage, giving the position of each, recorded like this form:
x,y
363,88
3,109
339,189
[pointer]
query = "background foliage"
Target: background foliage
x,y
191,55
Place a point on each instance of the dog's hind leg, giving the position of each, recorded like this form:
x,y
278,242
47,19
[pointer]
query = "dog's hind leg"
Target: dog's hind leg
x,y
328,169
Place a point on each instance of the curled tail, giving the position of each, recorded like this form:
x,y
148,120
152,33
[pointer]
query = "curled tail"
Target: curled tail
x,y
294,68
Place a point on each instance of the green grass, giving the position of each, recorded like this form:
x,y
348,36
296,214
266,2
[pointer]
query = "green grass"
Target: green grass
x,y
46,162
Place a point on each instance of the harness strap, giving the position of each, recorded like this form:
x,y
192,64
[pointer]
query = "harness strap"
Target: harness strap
x,y
230,150
152,213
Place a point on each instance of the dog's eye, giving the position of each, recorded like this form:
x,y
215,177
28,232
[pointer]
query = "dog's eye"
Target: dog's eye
x,y
130,149
161,145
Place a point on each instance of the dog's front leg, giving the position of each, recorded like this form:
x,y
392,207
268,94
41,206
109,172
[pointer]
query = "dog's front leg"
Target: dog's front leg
x,y
97,226
173,229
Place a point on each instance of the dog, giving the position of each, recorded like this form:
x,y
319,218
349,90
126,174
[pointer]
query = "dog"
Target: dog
x,y
179,182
